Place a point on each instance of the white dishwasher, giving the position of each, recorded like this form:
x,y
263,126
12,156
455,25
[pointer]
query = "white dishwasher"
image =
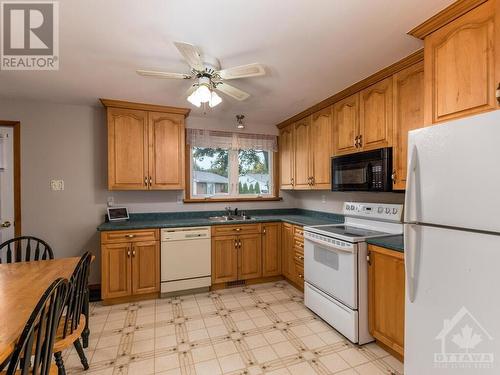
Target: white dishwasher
x,y
185,259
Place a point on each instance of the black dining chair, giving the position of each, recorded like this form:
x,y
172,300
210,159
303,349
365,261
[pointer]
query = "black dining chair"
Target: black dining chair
x,y
33,351
25,249
73,321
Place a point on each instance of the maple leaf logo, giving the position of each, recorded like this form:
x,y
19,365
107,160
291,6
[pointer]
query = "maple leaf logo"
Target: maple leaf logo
x,y
466,339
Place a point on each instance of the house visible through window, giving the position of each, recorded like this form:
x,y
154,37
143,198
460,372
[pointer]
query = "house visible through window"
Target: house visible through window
x,y
234,169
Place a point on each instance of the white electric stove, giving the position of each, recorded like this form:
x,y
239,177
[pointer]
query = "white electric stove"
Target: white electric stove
x,y
336,266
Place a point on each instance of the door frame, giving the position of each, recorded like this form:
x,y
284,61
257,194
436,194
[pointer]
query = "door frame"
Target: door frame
x,y
17,173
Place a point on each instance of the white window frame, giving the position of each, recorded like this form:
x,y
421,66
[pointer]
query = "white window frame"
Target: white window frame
x,y
233,178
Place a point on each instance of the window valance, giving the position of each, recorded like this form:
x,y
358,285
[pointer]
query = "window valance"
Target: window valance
x,y
231,141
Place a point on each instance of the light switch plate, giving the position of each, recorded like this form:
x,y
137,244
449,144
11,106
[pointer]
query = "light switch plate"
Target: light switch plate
x,y
56,185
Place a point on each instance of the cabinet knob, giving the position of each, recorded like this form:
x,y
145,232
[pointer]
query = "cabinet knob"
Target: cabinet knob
x,y
237,229
130,235
133,253
292,181
300,276
264,231
393,176
128,253
150,181
498,94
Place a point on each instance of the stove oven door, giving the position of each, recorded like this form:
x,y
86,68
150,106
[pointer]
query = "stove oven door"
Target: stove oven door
x,y
332,267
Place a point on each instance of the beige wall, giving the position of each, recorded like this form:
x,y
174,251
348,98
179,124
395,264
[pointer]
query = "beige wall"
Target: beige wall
x,y
69,142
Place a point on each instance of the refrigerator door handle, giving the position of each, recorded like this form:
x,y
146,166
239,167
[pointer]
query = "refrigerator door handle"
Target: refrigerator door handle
x,y
412,255
411,193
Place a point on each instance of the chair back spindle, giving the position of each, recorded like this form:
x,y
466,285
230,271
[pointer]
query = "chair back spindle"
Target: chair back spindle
x,y
25,249
33,351
76,298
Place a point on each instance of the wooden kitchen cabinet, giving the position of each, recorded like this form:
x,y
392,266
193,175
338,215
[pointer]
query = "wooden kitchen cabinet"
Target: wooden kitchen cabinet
x,y
236,252
145,267
346,125
293,254
224,259
116,270
145,146
130,265
408,91
271,249
127,149
305,149
301,150
321,149
249,256
461,62
286,156
386,297
166,152
375,116
287,251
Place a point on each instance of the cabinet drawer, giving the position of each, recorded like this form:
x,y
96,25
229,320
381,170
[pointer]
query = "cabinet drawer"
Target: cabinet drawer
x,y
299,256
119,236
298,233
298,245
299,269
225,230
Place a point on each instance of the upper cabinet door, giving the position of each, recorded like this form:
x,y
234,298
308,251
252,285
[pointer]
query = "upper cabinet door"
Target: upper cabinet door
x,y
408,86
166,151
127,149
321,148
375,115
346,124
286,157
301,151
460,66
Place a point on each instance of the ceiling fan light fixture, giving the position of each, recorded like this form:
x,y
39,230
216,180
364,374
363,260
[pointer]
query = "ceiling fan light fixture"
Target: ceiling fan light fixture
x,y
214,100
194,99
203,93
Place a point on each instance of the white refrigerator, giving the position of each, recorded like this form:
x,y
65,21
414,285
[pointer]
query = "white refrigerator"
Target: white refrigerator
x,y
452,248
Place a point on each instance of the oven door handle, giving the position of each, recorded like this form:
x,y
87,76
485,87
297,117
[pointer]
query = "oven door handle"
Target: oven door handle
x,y
331,247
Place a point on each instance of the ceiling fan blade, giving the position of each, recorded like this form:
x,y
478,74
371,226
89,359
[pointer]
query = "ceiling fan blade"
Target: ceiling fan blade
x,y
158,74
190,54
232,91
242,71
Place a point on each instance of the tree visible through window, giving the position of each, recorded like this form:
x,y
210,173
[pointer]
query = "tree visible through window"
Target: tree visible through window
x,y
233,173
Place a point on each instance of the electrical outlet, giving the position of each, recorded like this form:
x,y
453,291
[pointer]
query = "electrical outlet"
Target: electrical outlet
x,y
111,201
57,185
323,198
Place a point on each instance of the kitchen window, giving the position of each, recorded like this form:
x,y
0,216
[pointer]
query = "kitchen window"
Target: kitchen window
x,y
230,166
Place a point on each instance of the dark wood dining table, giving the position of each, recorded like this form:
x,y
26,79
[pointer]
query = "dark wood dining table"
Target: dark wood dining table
x,y
21,286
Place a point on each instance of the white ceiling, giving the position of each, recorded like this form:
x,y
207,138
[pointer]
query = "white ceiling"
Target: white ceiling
x,y
311,50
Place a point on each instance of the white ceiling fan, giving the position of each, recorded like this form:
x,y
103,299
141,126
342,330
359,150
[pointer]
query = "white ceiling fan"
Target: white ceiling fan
x,y
209,77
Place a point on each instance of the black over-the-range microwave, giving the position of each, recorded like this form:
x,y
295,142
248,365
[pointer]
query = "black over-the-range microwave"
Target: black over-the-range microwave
x,y
363,171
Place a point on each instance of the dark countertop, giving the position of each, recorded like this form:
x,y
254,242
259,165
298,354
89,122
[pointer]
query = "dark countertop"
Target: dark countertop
x,y
390,242
200,218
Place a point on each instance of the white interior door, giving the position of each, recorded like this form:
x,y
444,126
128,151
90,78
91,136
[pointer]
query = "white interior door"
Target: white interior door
x,y
452,325
7,229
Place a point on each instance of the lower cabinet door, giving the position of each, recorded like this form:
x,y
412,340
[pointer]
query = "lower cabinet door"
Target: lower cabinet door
x,y
386,297
286,249
250,256
271,249
116,272
224,259
145,267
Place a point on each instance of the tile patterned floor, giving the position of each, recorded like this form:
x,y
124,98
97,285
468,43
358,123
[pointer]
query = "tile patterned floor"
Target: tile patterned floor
x,y
260,329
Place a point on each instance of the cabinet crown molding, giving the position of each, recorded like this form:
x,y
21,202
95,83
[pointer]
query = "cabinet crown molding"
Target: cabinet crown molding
x,y
144,107
444,17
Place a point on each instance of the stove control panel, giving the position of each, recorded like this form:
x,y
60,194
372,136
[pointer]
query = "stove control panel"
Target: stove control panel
x,y
376,211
